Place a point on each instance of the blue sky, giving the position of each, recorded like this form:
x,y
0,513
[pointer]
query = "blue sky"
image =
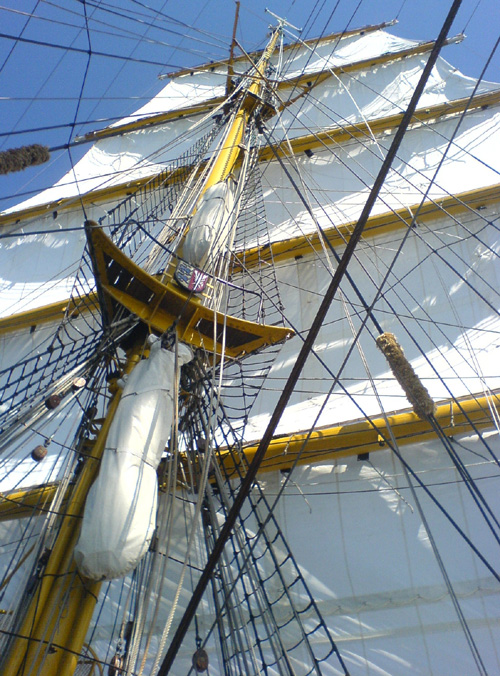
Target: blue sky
x,y
40,85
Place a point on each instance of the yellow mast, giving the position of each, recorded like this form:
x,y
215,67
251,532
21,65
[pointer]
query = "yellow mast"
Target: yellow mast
x,y
53,630
229,152
62,600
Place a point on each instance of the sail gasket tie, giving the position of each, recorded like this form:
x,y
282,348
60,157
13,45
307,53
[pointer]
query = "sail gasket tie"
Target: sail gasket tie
x,y
403,371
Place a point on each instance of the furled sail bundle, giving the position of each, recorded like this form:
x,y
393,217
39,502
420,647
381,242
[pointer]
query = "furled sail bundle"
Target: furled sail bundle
x,y
368,541
209,229
120,512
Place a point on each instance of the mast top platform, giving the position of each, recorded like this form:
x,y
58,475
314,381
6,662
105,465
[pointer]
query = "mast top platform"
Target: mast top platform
x,y
283,22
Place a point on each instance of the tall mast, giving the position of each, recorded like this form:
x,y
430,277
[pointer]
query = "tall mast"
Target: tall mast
x,y
231,148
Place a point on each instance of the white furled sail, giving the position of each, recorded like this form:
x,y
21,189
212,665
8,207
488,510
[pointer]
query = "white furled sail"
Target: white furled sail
x,y
120,513
209,226
207,238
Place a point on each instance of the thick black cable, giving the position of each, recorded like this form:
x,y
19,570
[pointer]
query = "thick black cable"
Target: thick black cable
x,y
127,35
42,43
336,377
14,45
100,6
261,532
326,239
307,346
407,466
422,124
370,309
327,112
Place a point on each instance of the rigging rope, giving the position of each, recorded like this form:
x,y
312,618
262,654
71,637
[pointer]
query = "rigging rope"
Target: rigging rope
x,y
305,350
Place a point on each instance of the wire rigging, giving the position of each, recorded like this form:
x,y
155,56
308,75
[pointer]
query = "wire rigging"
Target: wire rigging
x,y
118,31
25,26
68,48
217,401
102,7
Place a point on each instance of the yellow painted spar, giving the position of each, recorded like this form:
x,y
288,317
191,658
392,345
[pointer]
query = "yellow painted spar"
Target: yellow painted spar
x,y
293,246
61,592
312,78
22,503
230,151
363,436
342,133
159,305
313,42
330,443
52,312
299,144
380,224
92,198
321,75
162,118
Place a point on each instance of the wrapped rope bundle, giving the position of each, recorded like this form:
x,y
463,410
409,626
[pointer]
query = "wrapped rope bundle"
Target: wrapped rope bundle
x,y
416,393
17,159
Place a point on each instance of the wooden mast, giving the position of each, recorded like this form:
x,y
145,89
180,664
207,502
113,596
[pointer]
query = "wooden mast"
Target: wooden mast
x,y
230,66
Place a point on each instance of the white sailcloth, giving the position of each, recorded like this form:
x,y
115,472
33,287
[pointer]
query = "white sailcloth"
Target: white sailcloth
x,y
120,513
210,226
